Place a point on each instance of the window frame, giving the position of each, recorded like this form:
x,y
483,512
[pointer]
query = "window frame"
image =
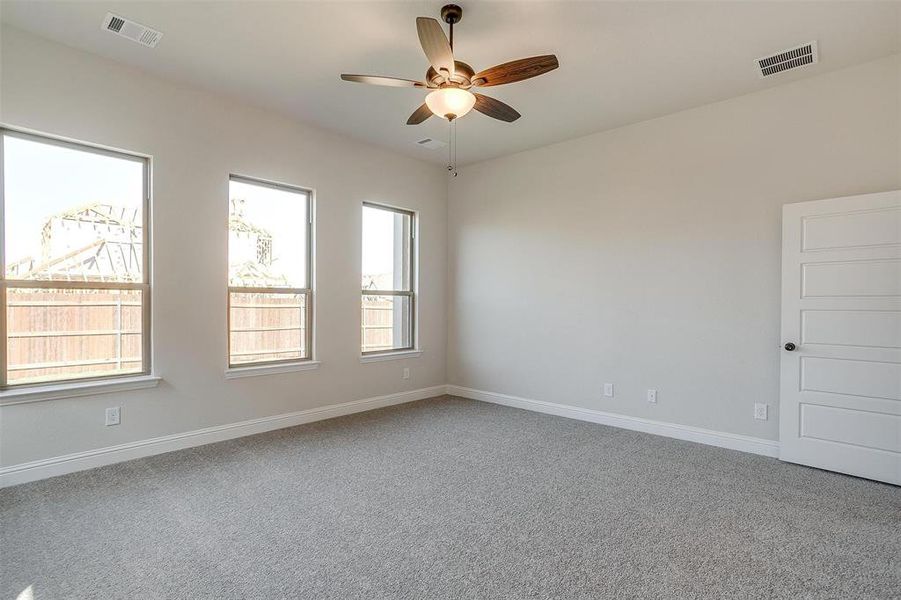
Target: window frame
x,y
411,293
144,286
306,291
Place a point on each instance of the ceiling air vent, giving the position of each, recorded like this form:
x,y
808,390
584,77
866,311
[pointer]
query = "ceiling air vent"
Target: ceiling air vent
x,y
131,30
805,54
431,144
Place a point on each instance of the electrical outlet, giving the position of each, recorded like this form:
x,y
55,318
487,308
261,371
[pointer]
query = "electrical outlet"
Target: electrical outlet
x,y
406,372
652,396
113,416
760,410
608,390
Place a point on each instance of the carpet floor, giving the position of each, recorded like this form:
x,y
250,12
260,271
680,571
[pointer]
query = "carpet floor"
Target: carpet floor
x,y
451,498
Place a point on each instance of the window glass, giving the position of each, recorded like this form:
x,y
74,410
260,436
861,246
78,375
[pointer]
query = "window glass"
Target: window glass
x,y
267,327
388,298
386,323
72,333
386,249
75,286
267,241
269,297
71,214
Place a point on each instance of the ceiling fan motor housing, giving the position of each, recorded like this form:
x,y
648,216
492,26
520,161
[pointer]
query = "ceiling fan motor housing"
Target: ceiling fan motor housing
x,y
462,77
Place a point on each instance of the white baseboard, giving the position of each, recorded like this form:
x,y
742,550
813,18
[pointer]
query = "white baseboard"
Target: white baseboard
x,y
79,461
680,432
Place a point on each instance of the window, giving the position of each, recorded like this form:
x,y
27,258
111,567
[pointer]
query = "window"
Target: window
x,y
74,262
388,296
270,297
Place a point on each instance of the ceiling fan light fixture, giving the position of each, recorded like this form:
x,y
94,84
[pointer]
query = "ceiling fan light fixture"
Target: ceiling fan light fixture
x,y
450,103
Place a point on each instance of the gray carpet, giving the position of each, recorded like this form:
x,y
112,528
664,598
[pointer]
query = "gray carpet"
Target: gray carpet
x,y
451,498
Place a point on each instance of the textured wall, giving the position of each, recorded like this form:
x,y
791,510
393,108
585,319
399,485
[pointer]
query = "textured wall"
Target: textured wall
x,y
649,256
197,139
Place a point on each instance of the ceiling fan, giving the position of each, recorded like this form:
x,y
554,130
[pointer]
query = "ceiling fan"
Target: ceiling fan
x,y
451,80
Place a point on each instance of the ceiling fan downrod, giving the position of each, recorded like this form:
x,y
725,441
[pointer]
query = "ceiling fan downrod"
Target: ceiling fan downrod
x,y
450,14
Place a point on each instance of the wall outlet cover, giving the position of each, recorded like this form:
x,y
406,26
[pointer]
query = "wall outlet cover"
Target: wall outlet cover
x,y
113,416
760,411
608,390
652,396
406,372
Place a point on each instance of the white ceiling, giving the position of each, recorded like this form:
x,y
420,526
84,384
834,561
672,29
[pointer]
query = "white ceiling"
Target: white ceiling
x,y
620,62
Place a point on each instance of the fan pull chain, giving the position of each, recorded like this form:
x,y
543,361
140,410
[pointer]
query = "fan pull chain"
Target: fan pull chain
x,y
455,147
452,148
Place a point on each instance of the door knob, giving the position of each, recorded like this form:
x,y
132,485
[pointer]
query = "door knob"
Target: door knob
x,y
790,346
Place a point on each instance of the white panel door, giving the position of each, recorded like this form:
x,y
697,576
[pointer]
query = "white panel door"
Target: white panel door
x,y
840,406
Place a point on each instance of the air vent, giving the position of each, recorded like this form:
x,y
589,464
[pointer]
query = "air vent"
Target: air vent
x,y
131,30
431,144
793,58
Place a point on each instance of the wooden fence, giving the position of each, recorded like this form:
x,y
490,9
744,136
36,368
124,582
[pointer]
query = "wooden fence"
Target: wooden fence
x,y
66,334
62,334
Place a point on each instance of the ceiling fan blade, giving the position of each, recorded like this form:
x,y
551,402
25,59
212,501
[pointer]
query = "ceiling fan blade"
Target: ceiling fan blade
x,y
495,108
419,115
378,80
435,45
516,70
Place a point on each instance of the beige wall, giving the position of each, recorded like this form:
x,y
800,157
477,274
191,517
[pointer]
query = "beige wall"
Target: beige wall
x,y
197,139
649,256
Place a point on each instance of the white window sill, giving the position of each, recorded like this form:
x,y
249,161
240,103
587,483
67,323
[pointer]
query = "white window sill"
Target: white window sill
x,y
255,371
400,355
59,391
